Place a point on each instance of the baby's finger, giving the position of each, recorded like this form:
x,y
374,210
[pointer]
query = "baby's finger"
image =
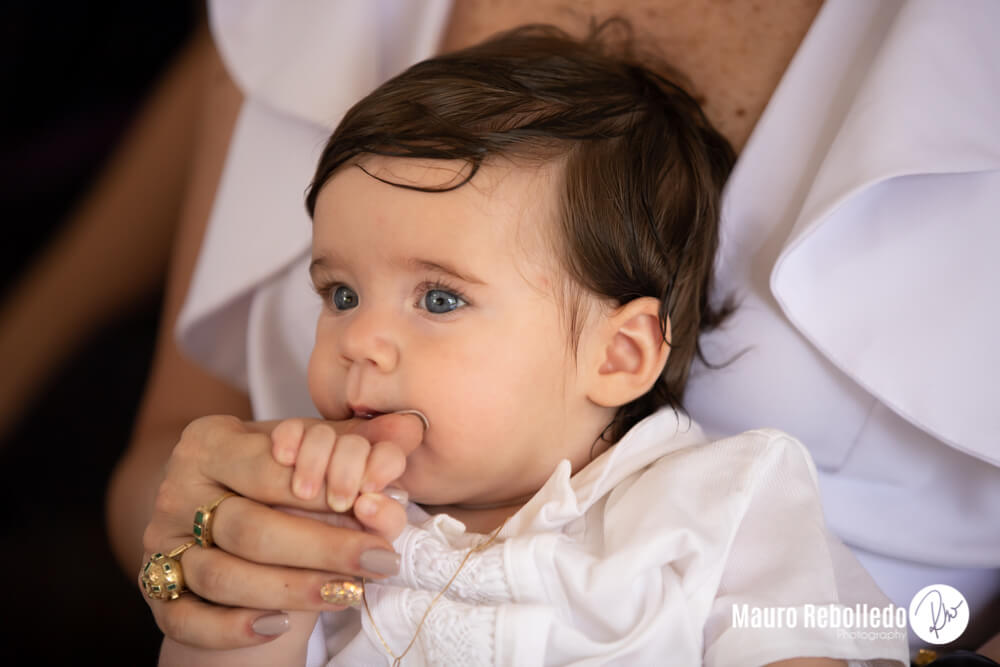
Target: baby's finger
x,y
286,438
346,469
381,515
386,463
314,454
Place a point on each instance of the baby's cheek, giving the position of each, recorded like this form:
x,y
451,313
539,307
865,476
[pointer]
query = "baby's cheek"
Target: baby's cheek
x,y
321,378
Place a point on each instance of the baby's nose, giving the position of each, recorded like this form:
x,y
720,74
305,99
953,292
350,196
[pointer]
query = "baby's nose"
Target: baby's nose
x,y
370,338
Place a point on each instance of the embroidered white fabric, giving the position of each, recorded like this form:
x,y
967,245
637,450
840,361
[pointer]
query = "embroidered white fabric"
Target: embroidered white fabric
x,y
460,628
430,560
455,633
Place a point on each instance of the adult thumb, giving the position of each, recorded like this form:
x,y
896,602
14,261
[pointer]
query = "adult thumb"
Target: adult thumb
x,y
406,430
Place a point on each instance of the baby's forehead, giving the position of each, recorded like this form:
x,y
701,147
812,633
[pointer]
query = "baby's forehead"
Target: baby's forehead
x,y
518,180
516,202
527,192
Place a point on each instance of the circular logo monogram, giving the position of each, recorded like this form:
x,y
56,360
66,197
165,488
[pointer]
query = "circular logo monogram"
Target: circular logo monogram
x,y
939,614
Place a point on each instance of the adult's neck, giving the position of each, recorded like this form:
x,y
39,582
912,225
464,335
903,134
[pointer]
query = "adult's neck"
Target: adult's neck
x,y
734,52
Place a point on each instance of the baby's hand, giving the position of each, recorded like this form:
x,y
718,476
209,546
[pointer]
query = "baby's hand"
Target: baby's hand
x,y
354,470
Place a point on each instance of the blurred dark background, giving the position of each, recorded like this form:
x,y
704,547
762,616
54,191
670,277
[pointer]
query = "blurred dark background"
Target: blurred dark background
x,y
73,76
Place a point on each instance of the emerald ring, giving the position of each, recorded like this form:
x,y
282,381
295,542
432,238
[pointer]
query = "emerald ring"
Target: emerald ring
x,y
202,529
162,576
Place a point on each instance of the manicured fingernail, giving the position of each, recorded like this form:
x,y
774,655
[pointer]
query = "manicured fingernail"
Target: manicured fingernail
x,y
338,503
271,625
380,561
342,592
418,414
400,496
365,505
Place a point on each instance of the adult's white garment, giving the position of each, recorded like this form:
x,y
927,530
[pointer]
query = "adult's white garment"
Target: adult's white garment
x,y
638,559
858,230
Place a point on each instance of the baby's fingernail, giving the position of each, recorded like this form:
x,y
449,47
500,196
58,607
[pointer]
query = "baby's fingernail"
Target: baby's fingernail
x,y
285,456
342,592
380,561
271,625
303,489
365,506
338,503
400,496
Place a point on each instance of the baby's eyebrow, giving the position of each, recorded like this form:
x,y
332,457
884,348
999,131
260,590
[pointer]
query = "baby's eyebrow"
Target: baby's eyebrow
x,y
413,263
317,263
442,267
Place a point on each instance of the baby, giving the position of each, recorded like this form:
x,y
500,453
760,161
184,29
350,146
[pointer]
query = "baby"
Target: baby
x,y
515,243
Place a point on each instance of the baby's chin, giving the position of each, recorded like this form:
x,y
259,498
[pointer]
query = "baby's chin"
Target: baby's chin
x,y
432,490
433,495
430,493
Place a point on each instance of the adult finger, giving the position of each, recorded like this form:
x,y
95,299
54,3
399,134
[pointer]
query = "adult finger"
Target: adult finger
x,y
405,430
191,621
224,579
264,535
237,455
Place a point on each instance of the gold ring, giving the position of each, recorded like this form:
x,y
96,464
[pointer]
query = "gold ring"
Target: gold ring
x,y
202,529
162,576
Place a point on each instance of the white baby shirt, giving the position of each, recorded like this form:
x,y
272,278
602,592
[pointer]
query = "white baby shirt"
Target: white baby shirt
x,y
637,559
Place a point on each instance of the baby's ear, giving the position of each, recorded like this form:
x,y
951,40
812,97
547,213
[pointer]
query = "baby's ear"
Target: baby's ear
x,y
627,354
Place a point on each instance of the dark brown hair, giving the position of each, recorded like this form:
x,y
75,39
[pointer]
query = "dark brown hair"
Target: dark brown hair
x,y
644,169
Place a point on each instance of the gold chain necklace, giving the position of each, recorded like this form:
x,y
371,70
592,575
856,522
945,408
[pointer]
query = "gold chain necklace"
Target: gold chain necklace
x,y
397,660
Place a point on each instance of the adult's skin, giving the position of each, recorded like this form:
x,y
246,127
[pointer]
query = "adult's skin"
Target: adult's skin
x,y
206,456
50,311
735,53
177,392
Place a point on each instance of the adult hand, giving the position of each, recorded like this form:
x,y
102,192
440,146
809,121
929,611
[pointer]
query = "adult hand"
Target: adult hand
x,y
263,558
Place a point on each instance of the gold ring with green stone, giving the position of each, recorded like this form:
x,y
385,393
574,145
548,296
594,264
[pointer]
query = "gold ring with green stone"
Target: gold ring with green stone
x,y
202,529
162,576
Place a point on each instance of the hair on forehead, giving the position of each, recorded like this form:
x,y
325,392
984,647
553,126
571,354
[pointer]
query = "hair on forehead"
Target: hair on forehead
x,y
532,92
642,168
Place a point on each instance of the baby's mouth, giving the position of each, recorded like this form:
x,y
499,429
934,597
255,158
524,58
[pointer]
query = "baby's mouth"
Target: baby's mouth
x,y
364,412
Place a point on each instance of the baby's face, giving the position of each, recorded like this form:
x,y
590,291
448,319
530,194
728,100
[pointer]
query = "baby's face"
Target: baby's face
x,y
445,303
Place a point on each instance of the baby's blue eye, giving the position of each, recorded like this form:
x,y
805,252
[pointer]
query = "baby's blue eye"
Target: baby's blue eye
x,y
439,301
344,298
